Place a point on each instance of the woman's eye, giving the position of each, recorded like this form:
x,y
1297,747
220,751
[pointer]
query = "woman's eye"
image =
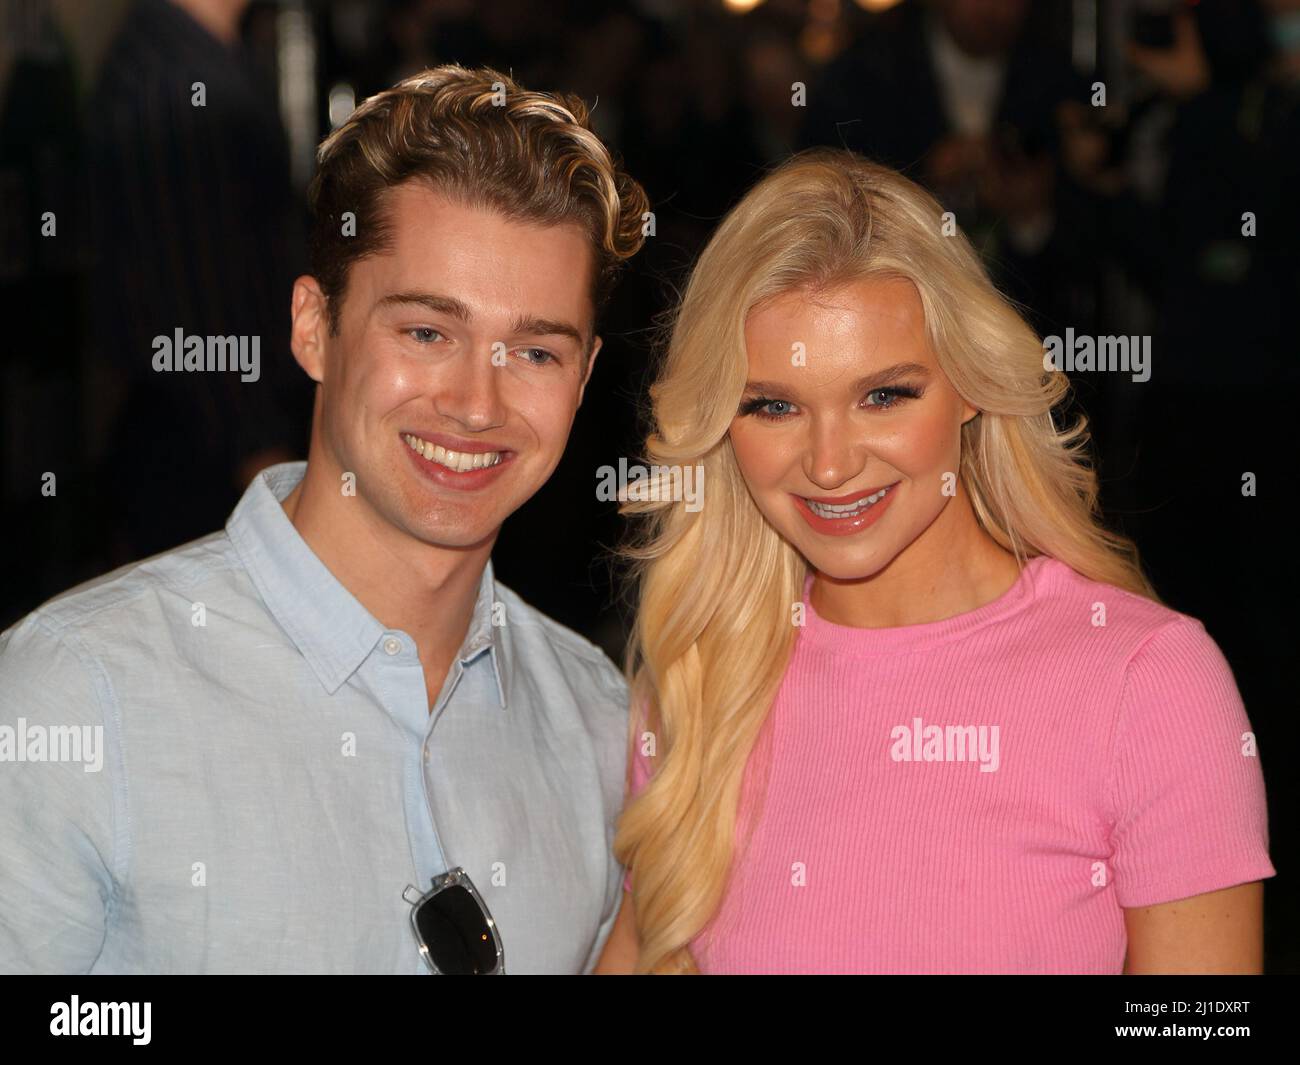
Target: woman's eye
x,y
891,396
761,407
423,334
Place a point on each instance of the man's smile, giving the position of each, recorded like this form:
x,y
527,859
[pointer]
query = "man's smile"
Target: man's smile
x,y
470,465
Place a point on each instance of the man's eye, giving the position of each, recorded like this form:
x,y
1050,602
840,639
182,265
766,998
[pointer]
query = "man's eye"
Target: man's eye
x,y
423,334
545,356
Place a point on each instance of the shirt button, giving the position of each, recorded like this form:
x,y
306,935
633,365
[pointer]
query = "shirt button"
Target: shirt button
x,y
392,645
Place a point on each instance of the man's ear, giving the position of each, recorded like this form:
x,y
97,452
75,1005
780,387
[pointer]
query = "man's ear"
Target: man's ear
x,y
591,365
307,336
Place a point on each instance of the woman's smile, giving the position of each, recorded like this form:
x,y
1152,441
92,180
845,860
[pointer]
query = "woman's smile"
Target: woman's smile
x,y
846,515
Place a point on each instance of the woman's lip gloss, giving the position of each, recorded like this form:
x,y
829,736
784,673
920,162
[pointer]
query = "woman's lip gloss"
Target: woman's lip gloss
x,y
845,526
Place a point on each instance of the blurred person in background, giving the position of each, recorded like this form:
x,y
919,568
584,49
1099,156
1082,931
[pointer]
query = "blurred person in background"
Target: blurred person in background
x,y
1212,245
195,227
961,96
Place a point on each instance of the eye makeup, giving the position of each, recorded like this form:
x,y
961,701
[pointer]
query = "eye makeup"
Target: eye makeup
x,y
896,394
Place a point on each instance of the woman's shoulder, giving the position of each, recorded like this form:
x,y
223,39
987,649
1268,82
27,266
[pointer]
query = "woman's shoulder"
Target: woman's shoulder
x,y
1160,665
1129,625
1132,652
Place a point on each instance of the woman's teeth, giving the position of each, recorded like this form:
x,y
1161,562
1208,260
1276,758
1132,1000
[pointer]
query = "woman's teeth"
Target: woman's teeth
x,y
460,461
846,510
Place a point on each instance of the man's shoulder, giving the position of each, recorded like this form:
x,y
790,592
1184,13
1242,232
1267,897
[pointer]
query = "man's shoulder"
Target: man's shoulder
x,y
538,632
132,593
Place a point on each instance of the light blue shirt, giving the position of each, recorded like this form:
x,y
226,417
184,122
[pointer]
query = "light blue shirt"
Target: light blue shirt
x,y
270,776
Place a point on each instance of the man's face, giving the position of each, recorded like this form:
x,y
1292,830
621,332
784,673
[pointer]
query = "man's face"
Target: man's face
x,y
983,27
460,362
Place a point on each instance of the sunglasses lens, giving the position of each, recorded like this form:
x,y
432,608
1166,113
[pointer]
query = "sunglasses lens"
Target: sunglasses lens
x,y
456,933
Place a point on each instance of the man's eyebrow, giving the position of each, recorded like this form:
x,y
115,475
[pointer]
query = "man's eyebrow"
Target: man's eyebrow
x,y
878,379
523,325
441,304
531,325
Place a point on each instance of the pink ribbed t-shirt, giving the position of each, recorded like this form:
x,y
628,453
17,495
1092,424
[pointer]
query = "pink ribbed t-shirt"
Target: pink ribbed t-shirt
x,y
983,794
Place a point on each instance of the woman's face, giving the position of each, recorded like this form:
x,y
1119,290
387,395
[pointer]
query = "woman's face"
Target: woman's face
x,y
845,400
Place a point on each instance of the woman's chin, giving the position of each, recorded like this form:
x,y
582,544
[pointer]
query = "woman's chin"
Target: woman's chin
x,y
845,563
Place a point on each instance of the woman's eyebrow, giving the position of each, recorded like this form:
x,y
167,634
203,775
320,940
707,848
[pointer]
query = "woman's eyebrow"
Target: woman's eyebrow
x,y
878,379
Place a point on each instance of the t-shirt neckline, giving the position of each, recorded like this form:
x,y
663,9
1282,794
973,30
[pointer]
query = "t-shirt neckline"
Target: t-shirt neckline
x,y
850,639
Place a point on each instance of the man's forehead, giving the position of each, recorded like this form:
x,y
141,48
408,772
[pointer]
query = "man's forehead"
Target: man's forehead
x,y
500,269
422,203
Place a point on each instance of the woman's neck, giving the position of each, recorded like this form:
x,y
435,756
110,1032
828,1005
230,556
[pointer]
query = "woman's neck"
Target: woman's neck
x,y
952,568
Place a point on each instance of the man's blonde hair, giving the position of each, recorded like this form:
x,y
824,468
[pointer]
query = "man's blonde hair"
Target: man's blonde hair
x,y
483,140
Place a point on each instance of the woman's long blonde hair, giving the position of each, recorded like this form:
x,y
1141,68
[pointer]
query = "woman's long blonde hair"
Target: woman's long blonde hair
x,y
713,631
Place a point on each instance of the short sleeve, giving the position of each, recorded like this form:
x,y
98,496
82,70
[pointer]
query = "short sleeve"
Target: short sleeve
x,y
56,812
640,773
1185,790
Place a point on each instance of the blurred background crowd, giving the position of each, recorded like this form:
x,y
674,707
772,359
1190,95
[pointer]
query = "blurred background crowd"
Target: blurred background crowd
x,y
1126,167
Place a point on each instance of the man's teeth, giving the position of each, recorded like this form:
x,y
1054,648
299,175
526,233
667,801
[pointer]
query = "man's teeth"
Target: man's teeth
x,y
460,461
846,510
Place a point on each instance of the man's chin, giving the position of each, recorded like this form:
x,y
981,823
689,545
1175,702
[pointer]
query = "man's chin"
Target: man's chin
x,y
446,527
454,538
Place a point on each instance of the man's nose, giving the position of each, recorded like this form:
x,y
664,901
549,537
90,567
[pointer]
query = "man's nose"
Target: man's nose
x,y
471,393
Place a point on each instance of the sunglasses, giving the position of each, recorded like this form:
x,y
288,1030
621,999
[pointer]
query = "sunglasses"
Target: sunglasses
x,y
454,929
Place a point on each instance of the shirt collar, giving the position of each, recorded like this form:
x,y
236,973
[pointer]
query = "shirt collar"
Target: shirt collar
x,y
327,624
484,637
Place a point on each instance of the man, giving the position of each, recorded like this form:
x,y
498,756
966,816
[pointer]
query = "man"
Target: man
x,y
333,699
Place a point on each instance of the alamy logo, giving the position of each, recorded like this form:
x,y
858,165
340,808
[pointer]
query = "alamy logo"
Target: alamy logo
x,y
920,742
1086,353
53,743
210,354
102,1018
657,483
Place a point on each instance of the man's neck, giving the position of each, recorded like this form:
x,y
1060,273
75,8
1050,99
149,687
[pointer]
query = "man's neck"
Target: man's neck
x,y
219,17
425,591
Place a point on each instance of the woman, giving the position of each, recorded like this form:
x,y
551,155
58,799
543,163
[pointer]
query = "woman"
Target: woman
x,y
906,705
